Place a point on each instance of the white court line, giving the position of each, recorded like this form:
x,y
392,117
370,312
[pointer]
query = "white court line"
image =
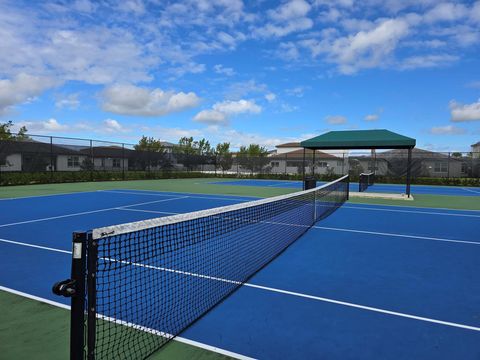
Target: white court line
x,y
336,229
414,207
89,212
46,195
178,338
190,196
466,189
397,235
409,211
306,296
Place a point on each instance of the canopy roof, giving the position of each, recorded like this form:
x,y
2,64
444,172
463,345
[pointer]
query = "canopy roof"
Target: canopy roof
x,y
359,139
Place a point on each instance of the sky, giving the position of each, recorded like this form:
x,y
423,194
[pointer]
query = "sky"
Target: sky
x,y
264,72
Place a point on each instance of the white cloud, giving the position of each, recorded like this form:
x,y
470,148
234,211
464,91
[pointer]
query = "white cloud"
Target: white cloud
x,y
69,101
297,91
447,130
237,107
134,100
219,69
336,119
427,61
270,97
464,112
287,18
112,126
22,88
211,117
368,49
446,12
372,117
47,126
221,111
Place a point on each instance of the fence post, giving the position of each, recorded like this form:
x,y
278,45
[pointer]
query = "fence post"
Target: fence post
x,y
123,161
92,167
448,166
343,163
51,159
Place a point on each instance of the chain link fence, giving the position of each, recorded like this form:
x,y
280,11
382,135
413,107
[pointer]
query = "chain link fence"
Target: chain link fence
x,y
43,159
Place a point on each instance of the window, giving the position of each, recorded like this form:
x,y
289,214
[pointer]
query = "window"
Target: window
x,y
322,164
464,169
294,163
275,163
339,163
116,163
440,167
73,162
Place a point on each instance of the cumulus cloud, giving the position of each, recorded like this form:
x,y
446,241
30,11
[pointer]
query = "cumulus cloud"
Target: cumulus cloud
x,y
336,119
464,112
447,130
22,88
113,126
221,111
47,126
134,100
446,12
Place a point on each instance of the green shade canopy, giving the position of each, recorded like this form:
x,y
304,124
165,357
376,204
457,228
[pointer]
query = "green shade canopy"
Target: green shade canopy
x,y
359,139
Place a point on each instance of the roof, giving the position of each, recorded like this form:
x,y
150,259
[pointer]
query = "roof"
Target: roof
x,y
359,139
298,154
416,154
32,146
289,145
477,144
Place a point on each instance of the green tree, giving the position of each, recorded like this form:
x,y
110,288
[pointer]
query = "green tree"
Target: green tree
x,y
457,155
151,153
254,157
192,153
224,156
6,134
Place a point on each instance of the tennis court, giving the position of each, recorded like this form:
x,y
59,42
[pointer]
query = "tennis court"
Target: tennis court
x,y
369,281
381,188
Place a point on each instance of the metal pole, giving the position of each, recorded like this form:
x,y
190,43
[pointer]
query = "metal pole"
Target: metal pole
x,y
343,163
409,165
448,166
77,321
92,296
123,161
303,168
92,159
51,158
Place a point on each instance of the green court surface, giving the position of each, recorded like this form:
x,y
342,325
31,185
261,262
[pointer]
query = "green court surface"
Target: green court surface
x,y
32,329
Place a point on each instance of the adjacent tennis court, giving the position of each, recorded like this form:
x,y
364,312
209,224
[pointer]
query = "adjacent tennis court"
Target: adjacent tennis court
x,y
380,188
369,281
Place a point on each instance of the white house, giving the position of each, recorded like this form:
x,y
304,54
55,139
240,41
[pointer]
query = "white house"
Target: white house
x,y
476,150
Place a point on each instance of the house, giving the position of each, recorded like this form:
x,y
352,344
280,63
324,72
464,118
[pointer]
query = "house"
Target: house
x,y
30,155
288,147
424,163
291,162
476,150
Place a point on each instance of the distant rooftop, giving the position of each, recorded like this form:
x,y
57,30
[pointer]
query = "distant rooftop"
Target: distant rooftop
x,y
288,145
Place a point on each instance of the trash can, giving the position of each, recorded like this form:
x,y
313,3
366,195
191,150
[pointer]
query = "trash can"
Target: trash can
x,y
309,183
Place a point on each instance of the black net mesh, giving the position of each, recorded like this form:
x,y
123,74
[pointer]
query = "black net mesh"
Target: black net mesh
x,y
365,180
155,278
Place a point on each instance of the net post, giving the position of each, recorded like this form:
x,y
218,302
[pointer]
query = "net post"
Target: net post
x,y
92,296
77,319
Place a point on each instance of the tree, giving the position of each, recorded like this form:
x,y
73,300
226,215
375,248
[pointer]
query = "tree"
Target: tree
x,y
254,157
191,152
224,156
151,153
457,154
6,134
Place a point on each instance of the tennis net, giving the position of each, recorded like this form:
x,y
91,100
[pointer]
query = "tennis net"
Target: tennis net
x,y
147,281
365,180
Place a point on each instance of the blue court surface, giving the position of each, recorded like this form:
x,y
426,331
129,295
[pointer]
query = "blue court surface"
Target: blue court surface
x,y
368,282
380,188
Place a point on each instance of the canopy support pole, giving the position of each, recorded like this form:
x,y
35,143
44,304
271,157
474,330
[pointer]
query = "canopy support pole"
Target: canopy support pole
x,y
303,168
409,166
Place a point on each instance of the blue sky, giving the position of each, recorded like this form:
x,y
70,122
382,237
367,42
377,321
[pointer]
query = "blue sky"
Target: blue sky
x,y
262,72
